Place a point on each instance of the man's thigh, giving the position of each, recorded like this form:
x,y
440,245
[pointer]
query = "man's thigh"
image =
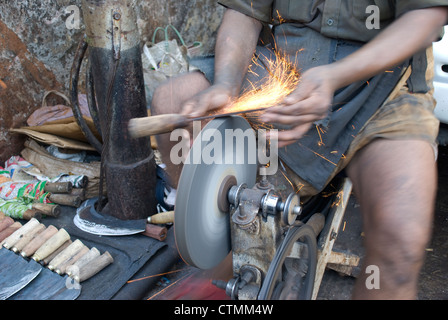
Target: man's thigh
x,y
395,182
170,95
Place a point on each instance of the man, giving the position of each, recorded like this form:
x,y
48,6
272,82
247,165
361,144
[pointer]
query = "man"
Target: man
x,y
383,136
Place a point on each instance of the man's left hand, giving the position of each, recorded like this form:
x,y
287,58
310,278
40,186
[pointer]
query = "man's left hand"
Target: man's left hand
x,y
309,102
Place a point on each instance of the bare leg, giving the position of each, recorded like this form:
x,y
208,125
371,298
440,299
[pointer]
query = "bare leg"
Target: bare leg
x,y
168,98
395,182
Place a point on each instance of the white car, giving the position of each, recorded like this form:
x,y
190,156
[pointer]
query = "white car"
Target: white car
x,y
441,83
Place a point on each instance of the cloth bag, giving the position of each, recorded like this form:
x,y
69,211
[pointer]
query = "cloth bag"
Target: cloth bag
x,y
165,59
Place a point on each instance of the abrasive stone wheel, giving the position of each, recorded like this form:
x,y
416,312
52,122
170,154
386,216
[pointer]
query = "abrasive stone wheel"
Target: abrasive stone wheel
x,y
202,229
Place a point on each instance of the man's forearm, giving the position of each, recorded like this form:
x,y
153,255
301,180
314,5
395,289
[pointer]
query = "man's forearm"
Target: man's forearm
x,y
414,31
236,42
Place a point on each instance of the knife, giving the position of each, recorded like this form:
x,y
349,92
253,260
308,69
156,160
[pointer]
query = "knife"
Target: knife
x,y
51,245
19,272
51,286
63,256
96,265
62,268
74,268
18,234
27,238
29,249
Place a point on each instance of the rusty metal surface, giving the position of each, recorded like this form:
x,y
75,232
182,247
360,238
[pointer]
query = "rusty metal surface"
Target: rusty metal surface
x,y
116,72
99,17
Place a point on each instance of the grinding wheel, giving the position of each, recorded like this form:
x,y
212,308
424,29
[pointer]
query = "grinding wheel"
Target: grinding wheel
x,y
202,228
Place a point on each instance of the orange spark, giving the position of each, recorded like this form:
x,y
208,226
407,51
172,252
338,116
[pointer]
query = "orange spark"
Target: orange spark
x,y
155,275
320,143
160,292
297,187
280,19
319,155
339,199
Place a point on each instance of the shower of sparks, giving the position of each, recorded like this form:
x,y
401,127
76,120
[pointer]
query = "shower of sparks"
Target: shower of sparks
x,y
271,90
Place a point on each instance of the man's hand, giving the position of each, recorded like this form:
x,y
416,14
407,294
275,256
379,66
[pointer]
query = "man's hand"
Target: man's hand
x,y
235,45
309,102
214,97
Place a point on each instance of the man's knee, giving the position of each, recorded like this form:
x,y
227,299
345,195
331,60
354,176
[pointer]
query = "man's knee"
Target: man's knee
x,y
398,250
169,95
401,270
159,98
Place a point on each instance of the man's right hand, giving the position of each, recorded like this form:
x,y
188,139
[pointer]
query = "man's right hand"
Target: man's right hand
x,y
235,45
212,98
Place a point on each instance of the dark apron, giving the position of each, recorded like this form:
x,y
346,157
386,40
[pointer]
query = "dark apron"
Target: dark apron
x,y
315,156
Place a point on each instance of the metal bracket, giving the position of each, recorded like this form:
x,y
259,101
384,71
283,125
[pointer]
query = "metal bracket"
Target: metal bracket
x,y
116,33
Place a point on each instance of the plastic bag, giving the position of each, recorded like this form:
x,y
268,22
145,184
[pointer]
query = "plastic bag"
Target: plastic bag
x,y
163,60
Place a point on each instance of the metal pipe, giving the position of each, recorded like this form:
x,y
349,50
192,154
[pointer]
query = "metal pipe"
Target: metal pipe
x,y
117,77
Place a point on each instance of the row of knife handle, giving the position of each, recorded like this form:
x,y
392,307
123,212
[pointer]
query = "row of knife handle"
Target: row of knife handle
x,y
53,248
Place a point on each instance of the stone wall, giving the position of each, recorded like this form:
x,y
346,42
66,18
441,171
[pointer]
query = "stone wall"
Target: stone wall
x,y
38,40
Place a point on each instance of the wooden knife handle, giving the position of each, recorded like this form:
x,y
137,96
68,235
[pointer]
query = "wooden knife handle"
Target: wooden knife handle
x,y
5,223
87,258
27,238
62,268
51,245
38,241
79,192
48,209
71,250
17,235
9,231
47,260
65,199
162,218
149,126
95,266
155,232
58,187
31,213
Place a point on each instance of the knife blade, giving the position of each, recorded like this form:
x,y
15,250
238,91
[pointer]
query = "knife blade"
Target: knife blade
x,y
20,272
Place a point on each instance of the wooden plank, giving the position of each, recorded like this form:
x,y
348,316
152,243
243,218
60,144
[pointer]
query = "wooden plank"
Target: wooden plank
x,y
329,235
